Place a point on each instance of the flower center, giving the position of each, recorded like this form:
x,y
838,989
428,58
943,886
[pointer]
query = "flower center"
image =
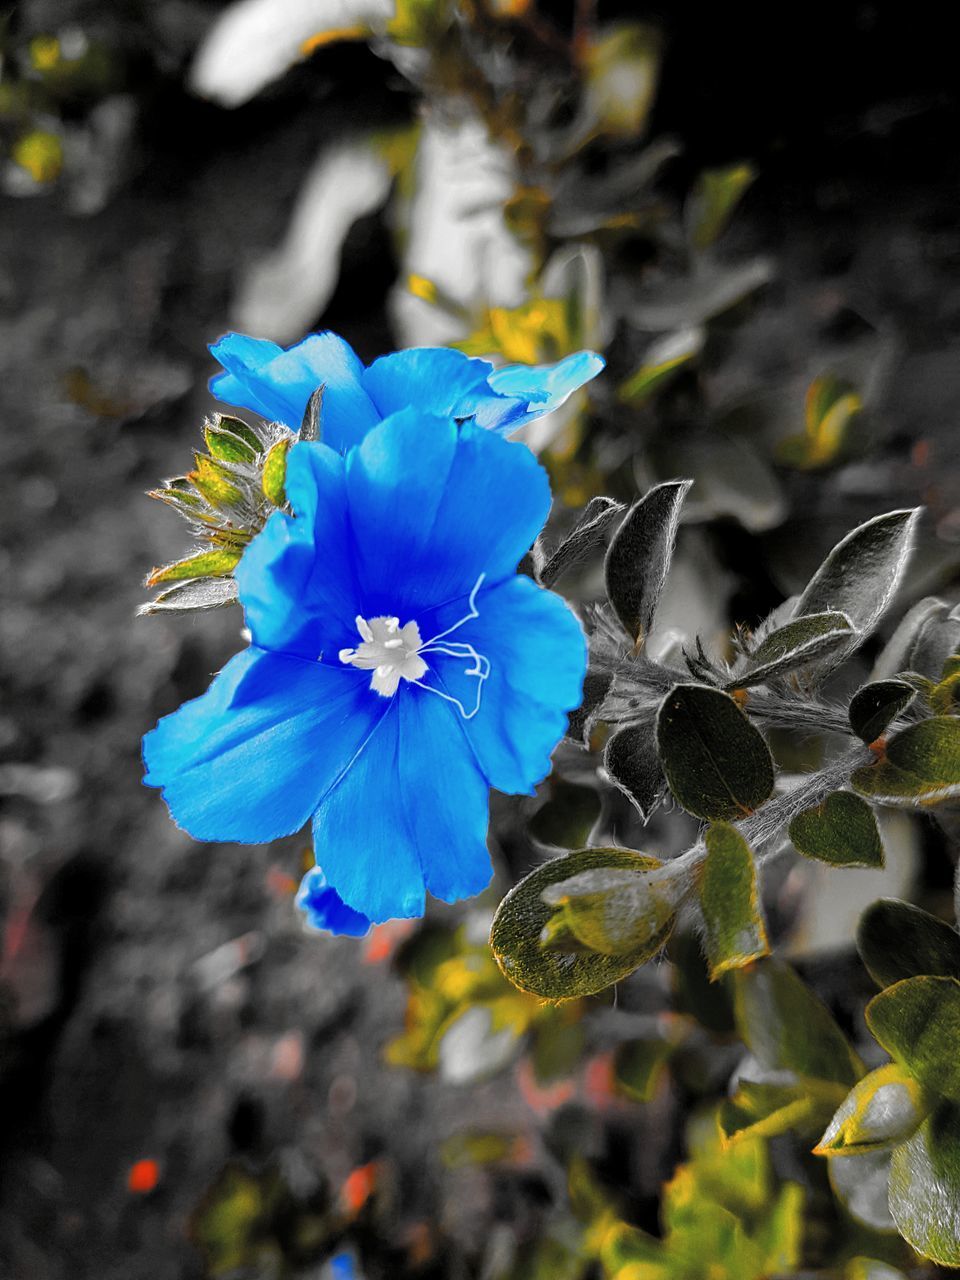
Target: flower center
x,y
390,651
394,653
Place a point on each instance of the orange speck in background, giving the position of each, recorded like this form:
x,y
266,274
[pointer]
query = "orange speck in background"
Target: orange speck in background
x,y
143,1177
384,940
920,453
279,884
599,1080
358,1187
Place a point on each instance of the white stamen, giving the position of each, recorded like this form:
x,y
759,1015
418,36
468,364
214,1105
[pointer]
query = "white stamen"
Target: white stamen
x,y
394,653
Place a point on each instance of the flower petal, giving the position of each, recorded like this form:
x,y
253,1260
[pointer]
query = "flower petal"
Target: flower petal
x,y
448,796
325,909
277,383
538,657
296,579
431,379
250,759
433,506
361,834
539,389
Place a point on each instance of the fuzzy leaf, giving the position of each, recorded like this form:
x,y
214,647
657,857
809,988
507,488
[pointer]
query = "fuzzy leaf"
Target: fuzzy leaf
x,y
936,641
925,1187
200,593
596,686
862,573
787,1028
793,646
310,426
227,446
638,558
917,1021
523,915
883,1108
921,766
897,654
237,427
616,910
219,563
874,706
897,940
587,533
212,480
841,830
717,764
730,900
274,474
630,758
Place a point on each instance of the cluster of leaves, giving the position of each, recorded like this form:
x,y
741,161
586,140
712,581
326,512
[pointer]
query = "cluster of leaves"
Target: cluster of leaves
x,y
696,734
894,1141
464,1020
226,500
691,726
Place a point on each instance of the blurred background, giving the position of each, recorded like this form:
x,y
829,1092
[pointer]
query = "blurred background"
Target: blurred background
x,y
754,217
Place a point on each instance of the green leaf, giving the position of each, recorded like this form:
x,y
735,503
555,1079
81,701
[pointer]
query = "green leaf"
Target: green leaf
x,y
793,646
841,830
274,474
587,534
212,480
638,558
897,940
713,200
787,1028
921,766
917,1021
861,574
218,563
874,706
523,915
729,897
925,1187
764,1110
717,764
883,1108
226,446
638,1066
831,404
237,427
615,910
630,758
660,363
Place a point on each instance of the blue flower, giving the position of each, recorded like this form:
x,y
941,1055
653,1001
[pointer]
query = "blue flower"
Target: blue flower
x,y
265,378
399,668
